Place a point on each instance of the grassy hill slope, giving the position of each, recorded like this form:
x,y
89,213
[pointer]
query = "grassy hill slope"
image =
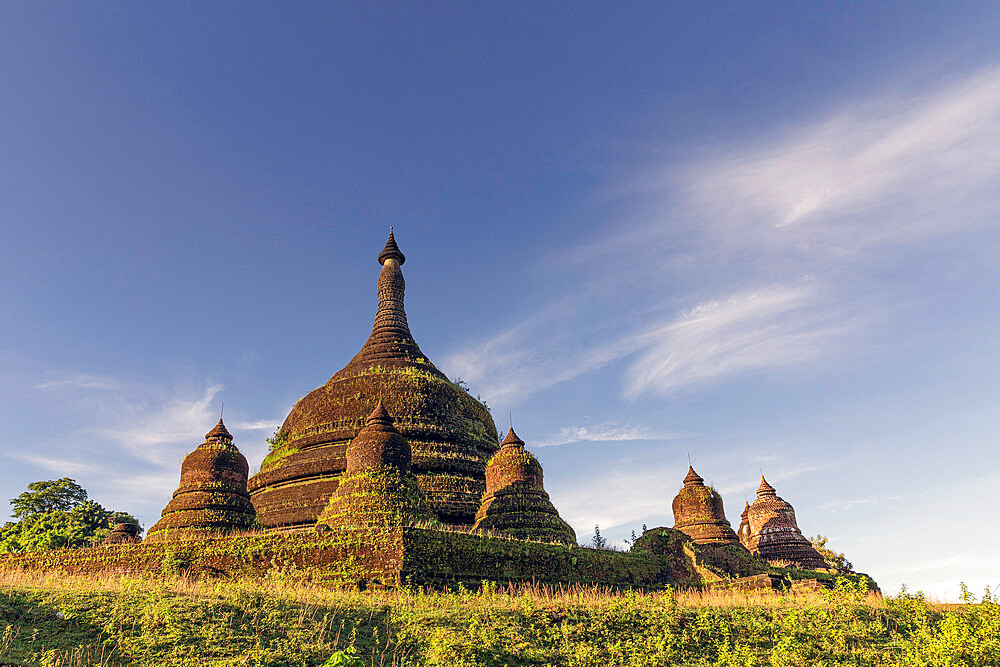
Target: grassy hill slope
x,y
49,620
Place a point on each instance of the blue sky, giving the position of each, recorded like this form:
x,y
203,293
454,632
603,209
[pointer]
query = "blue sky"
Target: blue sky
x,y
763,236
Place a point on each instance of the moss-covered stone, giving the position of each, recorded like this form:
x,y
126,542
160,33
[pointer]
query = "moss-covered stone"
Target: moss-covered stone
x,y
212,496
450,432
698,513
377,488
515,503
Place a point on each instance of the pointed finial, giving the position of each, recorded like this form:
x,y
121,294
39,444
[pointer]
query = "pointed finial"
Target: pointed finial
x,y
765,489
391,250
222,410
220,431
379,415
693,478
512,440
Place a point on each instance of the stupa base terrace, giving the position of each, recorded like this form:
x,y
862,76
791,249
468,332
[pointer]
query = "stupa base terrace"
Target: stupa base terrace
x,y
413,556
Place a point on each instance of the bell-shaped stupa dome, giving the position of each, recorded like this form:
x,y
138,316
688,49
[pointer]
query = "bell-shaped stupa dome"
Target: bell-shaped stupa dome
x,y
515,503
212,496
698,513
377,489
123,533
451,434
774,533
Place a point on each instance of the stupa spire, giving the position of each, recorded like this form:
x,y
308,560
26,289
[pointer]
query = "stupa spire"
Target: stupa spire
x,y
390,344
693,478
512,440
220,432
391,251
765,489
379,416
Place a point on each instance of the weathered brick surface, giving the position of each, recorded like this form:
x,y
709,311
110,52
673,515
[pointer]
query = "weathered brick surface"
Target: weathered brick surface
x,y
515,503
212,496
698,513
774,533
377,489
123,533
451,434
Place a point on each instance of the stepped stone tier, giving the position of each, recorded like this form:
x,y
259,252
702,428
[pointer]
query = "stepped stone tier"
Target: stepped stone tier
x,y
774,533
744,532
212,497
516,504
123,533
377,487
451,434
698,513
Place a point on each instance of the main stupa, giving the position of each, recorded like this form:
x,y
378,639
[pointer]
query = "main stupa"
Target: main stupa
x,y
451,434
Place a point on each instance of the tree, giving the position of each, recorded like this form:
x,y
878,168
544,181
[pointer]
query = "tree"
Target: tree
x,y
58,494
598,541
55,514
833,559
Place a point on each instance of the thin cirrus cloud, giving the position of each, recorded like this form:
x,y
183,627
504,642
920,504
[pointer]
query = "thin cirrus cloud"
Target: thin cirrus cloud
x,y
158,432
891,170
767,253
608,433
744,332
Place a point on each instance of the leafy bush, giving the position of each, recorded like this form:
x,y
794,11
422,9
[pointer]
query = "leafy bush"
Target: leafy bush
x,y
833,559
56,514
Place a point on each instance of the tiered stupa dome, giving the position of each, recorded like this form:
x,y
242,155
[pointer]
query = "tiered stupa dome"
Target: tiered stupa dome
x,y
698,513
377,488
123,533
515,503
774,533
451,434
212,496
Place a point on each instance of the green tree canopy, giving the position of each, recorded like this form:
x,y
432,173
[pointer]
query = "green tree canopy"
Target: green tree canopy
x,y
58,494
55,514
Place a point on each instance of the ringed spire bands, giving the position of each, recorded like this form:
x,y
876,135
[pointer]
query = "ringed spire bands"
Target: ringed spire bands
x,y
451,434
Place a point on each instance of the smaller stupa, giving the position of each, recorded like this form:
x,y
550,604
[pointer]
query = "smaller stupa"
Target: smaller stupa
x,y
744,532
122,533
774,533
377,488
515,503
698,513
212,497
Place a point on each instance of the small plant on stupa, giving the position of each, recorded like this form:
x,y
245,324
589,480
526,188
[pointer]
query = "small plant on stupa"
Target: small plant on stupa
x,y
838,561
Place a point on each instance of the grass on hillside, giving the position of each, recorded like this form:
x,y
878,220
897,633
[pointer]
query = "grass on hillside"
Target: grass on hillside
x,y
110,620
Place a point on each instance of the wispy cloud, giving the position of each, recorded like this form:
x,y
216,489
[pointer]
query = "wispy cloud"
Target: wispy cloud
x,y
760,255
927,163
258,425
80,381
147,430
775,326
59,466
845,504
607,433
